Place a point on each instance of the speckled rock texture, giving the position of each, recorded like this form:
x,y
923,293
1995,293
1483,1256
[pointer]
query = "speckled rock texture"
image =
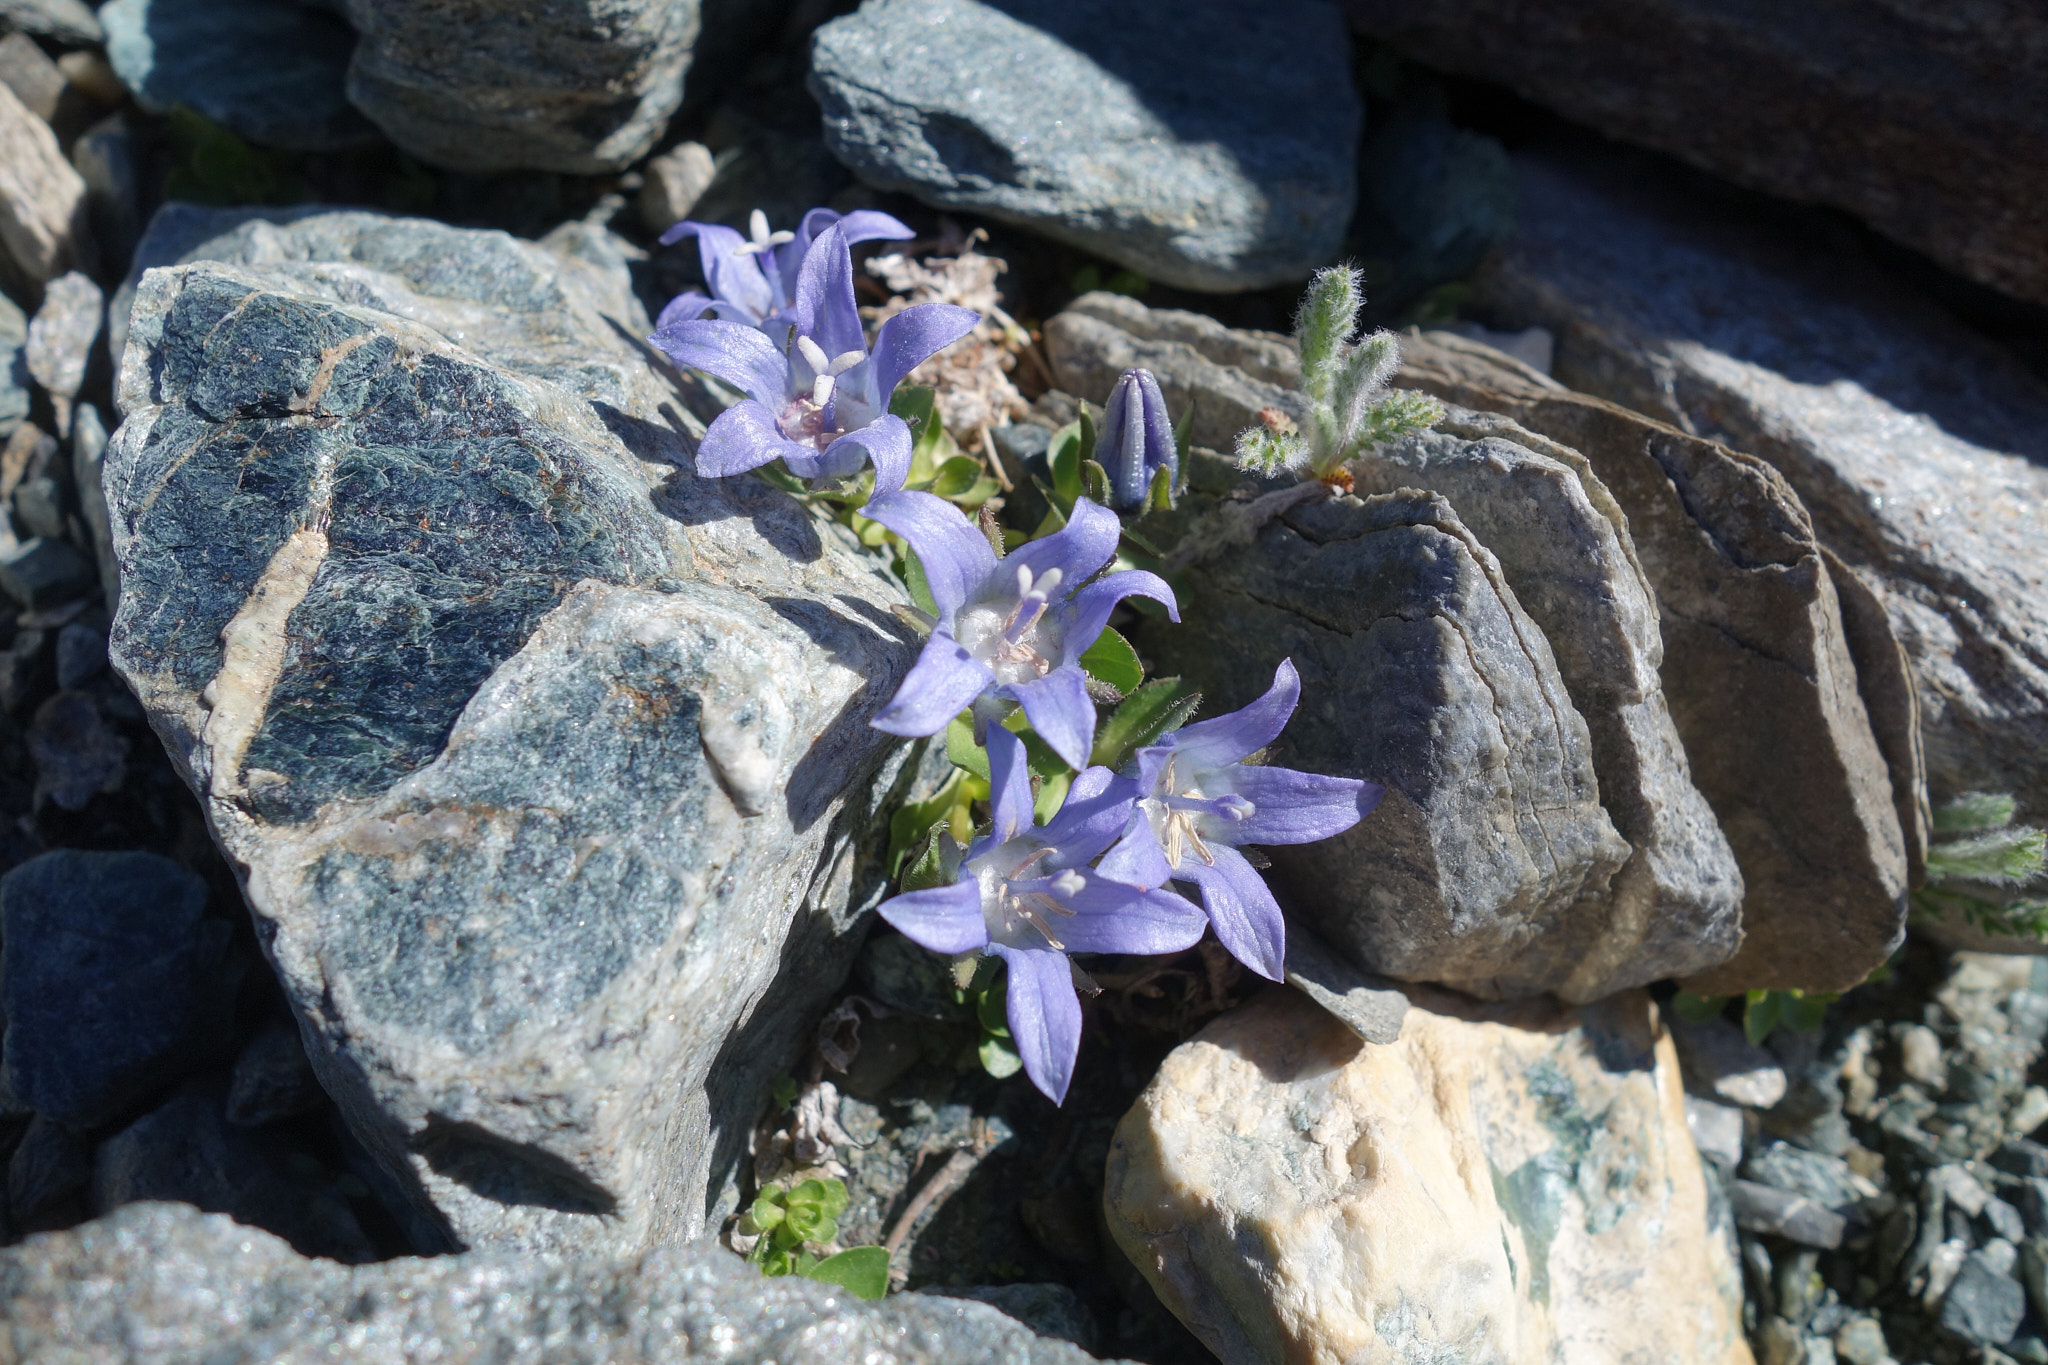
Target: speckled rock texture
x,y
1420,669
1919,449
43,228
1207,145
1803,733
582,86
14,375
271,70
1923,120
162,1284
545,765
1506,1185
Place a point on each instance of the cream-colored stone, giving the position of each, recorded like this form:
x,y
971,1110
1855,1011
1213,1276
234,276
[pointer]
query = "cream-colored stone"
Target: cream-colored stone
x,y
1505,1185
42,200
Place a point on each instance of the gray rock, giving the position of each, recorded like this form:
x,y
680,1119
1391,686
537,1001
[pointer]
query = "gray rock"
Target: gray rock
x,y
1860,1341
60,339
38,507
184,1151
50,1164
1984,1305
78,754
1717,1130
1050,1310
1370,1006
675,180
271,1079
1776,710
1826,1180
161,1283
14,376
1930,133
1421,670
582,87
43,227
1206,145
104,156
28,71
81,654
68,21
1563,544
88,448
271,70
1919,448
526,739
1763,1208
2022,1157
110,979
1722,1061
2033,1269
2005,1220
26,669
43,572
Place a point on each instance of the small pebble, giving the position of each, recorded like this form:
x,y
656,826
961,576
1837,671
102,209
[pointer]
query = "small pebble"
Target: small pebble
x,y
1861,1342
1920,1056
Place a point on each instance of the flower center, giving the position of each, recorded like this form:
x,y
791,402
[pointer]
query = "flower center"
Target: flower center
x,y
809,416
1012,902
1021,643
763,239
1176,811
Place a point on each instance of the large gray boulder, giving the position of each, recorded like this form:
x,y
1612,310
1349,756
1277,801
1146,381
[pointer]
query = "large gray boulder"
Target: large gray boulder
x,y
1205,144
545,765
1919,448
1923,120
1419,669
582,86
163,1284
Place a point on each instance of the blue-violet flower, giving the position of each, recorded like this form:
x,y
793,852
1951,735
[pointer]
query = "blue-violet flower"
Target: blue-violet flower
x,y
753,278
1199,802
1137,439
1025,894
1009,630
820,401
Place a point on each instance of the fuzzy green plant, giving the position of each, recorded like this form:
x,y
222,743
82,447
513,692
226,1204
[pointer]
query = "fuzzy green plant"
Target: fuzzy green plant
x,y
1978,852
1350,410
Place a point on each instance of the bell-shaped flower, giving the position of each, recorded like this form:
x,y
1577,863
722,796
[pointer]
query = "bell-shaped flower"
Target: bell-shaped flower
x,y
1200,801
753,278
1026,894
1009,630
819,403
1136,440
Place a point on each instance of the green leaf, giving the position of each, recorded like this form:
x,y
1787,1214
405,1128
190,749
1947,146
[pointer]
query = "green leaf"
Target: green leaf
x,y
1148,712
998,1058
932,866
1327,316
861,1271
956,476
1806,1013
1128,282
963,751
781,478
992,1006
920,587
910,827
784,1091
1182,442
1095,483
1973,811
1063,456
1760,1014
2011,856
1052,792
1159,497
1086,449
1112,660
1697,1009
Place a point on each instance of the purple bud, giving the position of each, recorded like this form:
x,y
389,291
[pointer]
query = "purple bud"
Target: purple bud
x,y
1136,440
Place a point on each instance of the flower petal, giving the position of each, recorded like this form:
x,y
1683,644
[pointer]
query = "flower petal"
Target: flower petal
x,y
955,554
683,308
745,437
908,339
735,278
1226,739
1245,916
1290,807
1078,550
886,444
1137,860
945,919
1137,438
735,352
1009,784
1058,707
1095,814
1045,1016
825,308
1112,917
1088,612
941,683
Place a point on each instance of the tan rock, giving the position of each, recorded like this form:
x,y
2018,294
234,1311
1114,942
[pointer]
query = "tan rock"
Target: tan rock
x,y
674,182
1505,1184
42,200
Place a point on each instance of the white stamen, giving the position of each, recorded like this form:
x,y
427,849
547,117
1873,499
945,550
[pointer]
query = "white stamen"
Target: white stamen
x,y
1069,883
844,361
814,355
821,390
1023,581
763,239
1048,582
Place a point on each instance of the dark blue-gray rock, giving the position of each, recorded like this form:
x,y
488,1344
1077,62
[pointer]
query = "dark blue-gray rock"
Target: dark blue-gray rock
x,y
81,654
271,1079
77,751
110,980
1919,448
545,762
270,70
157,1283
1050,1310
68,21
1984,1305
1206,145
50,1164
88,447
185,1151
14,376
27,669
583,87
105,157
1721,1061
38,507
1826,1180
1767,1209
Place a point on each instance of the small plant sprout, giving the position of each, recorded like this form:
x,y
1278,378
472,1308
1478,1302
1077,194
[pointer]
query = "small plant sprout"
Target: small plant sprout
x,y
1026,894
789,1222
818,401
1198,801
1349,408
753,279
1137,447
1010,632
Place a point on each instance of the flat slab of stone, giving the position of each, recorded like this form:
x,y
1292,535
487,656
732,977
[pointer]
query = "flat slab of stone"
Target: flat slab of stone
x,y
160,1282
1159,137
1506,1183
546,764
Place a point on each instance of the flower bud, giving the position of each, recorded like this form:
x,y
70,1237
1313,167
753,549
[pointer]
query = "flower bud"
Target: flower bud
x,y
1137,439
